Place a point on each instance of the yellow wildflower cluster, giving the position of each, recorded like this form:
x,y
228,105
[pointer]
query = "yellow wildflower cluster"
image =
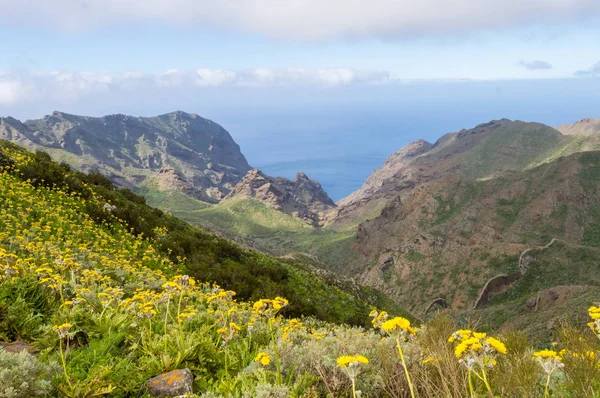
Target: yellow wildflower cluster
x,y
62,330
398,325
549,360
594,324
378,318
269,307
476,349
263,358
351,360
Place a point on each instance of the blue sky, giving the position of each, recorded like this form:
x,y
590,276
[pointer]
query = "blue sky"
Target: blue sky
x,y
298,82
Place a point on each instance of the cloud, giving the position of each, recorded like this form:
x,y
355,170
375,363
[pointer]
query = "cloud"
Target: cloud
x,y
25,86
303,19
593,70
536,65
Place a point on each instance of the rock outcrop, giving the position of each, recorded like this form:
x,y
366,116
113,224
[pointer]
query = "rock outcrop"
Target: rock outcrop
x,y
178,150
301,197
172,384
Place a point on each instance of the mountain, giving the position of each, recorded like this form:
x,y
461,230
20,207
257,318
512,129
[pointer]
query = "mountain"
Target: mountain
x,y
177,151
439,224
124,297
482,152
455,222
301,197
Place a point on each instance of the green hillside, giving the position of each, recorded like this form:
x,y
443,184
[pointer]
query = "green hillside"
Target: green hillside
x,y
204,256
250,222
116,299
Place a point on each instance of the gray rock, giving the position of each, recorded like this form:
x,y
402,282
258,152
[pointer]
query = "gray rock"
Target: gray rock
x,y
171,384
301,197
129,150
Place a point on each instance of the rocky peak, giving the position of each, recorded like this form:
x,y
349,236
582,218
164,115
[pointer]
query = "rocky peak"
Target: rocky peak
x,y
393,165
584,127
207,159
301,197
301,177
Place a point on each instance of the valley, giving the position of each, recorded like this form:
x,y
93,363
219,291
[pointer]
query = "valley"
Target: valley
x,y
435,222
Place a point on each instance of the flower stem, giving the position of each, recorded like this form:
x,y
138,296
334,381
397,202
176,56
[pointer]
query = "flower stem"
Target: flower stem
x,y
547,384
166,318
487,384
277,362
472,394
64,364
353,387
410,385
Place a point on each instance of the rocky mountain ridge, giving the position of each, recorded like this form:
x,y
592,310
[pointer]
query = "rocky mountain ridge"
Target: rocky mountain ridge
x,y
301,197
174,152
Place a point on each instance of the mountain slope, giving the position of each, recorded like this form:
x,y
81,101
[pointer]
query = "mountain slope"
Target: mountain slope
x,y
485,151
202,255
447,237
176,151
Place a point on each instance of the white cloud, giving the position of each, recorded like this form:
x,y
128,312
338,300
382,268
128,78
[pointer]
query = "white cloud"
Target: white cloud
x,y
9,91
70,86
536,65
593,70
305,19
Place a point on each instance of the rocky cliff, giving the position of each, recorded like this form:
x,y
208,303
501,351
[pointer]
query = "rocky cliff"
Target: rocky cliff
x,y
301,197
178,150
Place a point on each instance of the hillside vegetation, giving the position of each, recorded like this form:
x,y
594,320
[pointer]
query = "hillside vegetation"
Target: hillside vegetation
x,y
98,286
202,255
251,223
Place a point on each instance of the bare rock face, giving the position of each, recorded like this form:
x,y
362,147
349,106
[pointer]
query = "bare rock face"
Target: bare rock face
x,y
584,127
301,197
182,151
171,384
18,346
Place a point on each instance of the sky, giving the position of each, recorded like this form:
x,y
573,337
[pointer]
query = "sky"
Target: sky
x,y
329,88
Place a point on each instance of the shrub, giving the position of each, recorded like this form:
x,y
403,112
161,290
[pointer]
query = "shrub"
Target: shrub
x,y
22,375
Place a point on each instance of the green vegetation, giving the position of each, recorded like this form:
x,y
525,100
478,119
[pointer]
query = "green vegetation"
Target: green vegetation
x,y
455,201
515,146
22,375
590,171
414,256
251,222
179,203
203,255
116,292
504,264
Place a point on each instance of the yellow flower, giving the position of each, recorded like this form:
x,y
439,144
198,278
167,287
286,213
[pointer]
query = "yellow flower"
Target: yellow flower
x,y
459,335
263,358
62,330
347,360
279,303
397,324
547,354
496,344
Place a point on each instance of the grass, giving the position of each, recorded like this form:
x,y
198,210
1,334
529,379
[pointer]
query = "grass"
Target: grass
x,y
456,200
414,256
175,202
258,225
516,146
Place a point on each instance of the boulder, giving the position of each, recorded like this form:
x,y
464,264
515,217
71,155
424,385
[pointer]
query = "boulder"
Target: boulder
x,y
171,384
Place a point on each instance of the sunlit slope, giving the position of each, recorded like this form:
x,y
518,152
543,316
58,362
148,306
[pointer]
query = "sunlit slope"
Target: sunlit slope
x,y
205,256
